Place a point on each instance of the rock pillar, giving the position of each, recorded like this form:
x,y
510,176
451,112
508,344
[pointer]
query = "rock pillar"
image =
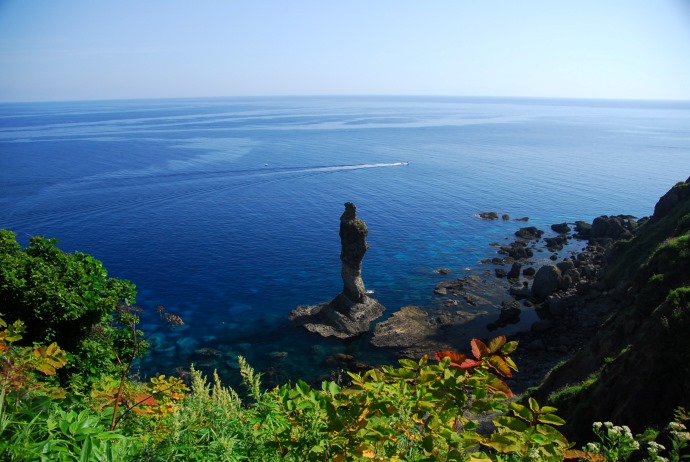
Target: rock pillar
x,y
351,312
353,234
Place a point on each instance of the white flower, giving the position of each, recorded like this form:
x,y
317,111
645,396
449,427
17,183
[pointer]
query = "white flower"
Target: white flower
x,y
596,425
676,426
534,454
592,447
655,447
681,435
608,424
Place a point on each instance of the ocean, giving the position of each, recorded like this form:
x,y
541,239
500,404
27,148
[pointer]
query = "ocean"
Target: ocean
x,y
226,210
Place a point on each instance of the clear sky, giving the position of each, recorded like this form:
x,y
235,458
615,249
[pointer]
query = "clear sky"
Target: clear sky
x,y
93,49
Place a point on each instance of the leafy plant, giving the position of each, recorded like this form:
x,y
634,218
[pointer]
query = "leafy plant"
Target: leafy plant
x,y
64,298
417,411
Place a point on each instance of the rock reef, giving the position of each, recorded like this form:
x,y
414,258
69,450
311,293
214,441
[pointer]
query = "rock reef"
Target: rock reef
x,y
351,312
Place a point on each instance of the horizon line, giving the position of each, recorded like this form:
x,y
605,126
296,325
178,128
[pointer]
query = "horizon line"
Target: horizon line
x,y
347,95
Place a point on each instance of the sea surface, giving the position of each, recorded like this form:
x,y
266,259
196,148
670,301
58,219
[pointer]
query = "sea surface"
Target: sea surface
x,y
226,210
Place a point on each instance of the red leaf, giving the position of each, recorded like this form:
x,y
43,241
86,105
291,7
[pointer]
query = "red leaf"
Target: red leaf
x,y
143,398
456,359
577,454
479,350
470,363
496,344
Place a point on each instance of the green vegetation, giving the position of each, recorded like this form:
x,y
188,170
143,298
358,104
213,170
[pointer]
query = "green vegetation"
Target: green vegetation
x,y
68,299
418,411
571,392
630,255
646,334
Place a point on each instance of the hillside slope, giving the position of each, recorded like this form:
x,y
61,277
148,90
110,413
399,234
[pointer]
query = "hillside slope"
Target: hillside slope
x,y
636,369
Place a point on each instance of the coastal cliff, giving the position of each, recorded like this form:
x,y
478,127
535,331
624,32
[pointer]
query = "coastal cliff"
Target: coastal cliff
x,y
636,368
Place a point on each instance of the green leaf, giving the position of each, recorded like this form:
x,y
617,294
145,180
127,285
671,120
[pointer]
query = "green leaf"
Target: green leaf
x,y
426,378
552,433
533,405
551,419
318,449
500,365
511,423
496,343
85,455
537,438
503,444
333,388
408,364
521,411
511,363
304,405
509,347
499,386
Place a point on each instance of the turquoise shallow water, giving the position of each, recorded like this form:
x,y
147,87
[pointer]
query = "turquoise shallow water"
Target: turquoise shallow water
x,y
226,210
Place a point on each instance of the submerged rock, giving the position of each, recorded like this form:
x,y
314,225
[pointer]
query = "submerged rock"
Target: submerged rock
x,y
350,313
517,250
414,332
407,327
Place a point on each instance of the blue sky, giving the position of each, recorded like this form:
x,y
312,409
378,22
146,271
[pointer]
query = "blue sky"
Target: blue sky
x,y
86,49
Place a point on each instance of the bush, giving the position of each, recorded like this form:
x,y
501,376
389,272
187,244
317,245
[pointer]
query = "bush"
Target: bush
x,y
67,299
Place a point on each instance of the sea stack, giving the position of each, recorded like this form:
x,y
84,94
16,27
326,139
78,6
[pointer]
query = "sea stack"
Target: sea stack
x,y
351,312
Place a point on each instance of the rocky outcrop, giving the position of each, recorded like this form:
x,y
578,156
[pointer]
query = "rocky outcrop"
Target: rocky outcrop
x,y
560,228
583,229
633,367
514,272
408,327
517,250
556,243
546,282
680,192
414,332
617,227
350,313
529,233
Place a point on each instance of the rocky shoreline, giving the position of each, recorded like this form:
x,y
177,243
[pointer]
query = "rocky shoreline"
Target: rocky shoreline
x,y
545,283
563,295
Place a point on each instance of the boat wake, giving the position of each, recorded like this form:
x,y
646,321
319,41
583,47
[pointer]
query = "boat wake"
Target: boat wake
x,y
118,190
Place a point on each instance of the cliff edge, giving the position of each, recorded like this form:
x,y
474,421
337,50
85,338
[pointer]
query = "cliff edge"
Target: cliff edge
x,y
636,369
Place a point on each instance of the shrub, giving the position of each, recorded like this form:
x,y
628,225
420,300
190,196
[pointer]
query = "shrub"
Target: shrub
x,y
67,299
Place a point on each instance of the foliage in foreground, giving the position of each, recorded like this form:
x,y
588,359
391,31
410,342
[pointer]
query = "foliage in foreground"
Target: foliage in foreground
x,y
455,408
67,298
418,411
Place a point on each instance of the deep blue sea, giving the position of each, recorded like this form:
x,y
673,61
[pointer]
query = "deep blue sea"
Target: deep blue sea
x,y
226,211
